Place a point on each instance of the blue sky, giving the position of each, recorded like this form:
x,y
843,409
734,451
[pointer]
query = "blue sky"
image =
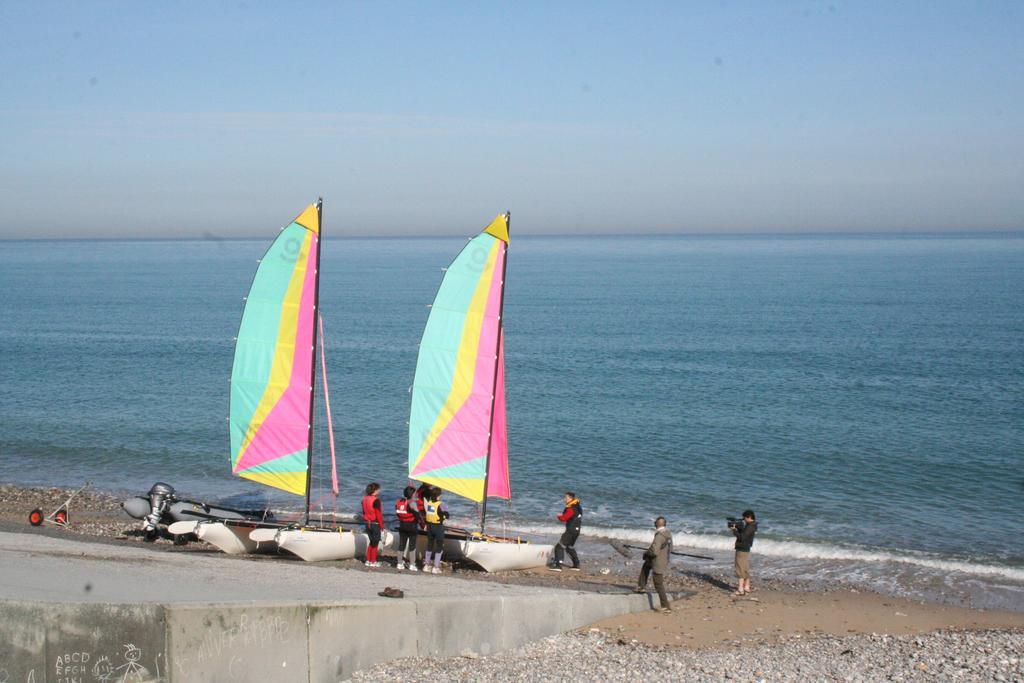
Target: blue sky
x,y
178,119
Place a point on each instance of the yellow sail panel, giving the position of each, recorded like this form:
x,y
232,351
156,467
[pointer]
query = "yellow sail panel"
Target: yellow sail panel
x,y
473,489
309,219
292,482
499,228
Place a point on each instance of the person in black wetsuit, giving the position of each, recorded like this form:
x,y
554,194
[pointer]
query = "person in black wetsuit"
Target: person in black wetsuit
x,y
421,494
435,513
573,518
409,520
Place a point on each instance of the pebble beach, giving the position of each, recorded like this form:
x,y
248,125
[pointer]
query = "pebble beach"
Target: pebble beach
x,y
783,632
595,656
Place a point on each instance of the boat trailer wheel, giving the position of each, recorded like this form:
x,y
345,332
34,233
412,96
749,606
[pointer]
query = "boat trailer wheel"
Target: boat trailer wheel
x,y
61,517
35,518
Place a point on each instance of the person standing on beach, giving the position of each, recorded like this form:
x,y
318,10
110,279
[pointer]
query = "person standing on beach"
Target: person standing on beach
x,y
656,562
572,515
373,518
421,495
408,523
744,541
434,513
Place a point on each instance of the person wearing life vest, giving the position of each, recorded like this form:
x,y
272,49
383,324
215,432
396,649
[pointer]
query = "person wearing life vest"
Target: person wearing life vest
x,y
408,522
573,518
373,518
434,514
421,494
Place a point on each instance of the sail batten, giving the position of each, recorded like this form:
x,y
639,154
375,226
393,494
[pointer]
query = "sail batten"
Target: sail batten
x,y
454,400
271,389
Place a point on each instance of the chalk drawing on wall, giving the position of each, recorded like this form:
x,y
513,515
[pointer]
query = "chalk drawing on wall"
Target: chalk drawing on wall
x,y
133,671
103,669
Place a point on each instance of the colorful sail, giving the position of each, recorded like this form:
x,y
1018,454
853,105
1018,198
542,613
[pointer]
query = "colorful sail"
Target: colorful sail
x,y
327,407
460,380
272,372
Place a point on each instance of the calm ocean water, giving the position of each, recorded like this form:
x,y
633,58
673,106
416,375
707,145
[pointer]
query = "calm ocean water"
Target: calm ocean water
x,y
864,394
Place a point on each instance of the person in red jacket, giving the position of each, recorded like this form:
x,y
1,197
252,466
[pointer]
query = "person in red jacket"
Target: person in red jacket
x,y
421,494
573,518
374,520
409,519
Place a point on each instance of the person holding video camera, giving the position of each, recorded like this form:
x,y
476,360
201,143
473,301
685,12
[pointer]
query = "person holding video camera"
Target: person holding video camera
x,y
744,530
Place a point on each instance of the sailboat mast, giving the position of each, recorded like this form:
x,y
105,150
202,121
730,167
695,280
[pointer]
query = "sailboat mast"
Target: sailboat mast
x,y
494,384
312,371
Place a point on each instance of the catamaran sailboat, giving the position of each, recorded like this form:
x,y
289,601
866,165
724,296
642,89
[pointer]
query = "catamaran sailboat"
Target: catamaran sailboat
x,y
273,378
458,436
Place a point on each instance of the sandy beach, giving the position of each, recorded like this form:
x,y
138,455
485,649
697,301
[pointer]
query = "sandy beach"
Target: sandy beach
x,y
788,631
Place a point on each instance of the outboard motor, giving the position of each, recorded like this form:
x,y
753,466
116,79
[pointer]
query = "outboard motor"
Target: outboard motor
x,y
161,496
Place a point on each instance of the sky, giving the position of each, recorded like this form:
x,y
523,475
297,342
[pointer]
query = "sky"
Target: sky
x,y
150,120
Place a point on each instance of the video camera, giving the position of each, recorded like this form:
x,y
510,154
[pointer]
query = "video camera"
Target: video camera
x,y
735,523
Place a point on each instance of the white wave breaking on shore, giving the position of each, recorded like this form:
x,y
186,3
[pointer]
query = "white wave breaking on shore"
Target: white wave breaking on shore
x,y
802,550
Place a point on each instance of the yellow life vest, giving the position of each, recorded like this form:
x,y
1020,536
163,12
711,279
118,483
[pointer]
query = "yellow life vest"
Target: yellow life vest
x,y
432,511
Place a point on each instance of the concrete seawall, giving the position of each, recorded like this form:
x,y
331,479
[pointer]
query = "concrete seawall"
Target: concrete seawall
x,y
72,612
317,642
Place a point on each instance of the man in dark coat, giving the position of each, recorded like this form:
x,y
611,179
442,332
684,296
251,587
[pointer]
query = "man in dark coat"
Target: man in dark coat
x,y
656,562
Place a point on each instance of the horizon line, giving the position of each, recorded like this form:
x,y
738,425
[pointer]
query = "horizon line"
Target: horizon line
x,y
208,237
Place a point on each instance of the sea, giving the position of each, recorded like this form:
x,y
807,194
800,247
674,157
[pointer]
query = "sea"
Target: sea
x,y
863,394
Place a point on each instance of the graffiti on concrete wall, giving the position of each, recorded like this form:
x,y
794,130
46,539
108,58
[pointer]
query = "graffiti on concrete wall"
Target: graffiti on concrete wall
x,y
235,642
85,666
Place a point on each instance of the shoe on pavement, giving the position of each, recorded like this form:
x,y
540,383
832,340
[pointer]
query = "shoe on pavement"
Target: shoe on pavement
x,y
638,589
575,569
666,610
412,568
555,569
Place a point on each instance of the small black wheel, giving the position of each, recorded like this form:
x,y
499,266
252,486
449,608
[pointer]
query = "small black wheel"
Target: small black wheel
x,y
151,535
35,518
182,539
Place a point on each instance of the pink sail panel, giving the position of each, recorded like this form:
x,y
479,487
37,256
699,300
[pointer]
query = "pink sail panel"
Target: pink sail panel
x,y
498,485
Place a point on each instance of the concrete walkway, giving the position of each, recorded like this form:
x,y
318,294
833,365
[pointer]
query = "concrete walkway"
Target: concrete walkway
x,y
50,569
79,611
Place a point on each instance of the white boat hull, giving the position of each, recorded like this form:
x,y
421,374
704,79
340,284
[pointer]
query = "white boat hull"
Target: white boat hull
x,y
229,538
504,556
493,555
324,545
